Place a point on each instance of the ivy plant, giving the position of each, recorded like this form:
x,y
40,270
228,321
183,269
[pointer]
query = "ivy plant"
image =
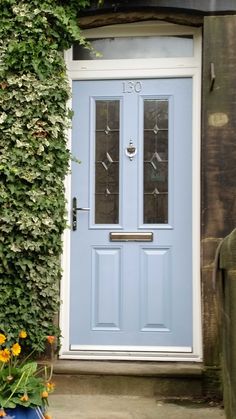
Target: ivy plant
x,y
33,160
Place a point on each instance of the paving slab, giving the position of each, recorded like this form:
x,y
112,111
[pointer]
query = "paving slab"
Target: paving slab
x,y
127,407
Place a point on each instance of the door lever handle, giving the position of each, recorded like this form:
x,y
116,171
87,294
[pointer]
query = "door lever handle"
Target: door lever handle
x,y
74,213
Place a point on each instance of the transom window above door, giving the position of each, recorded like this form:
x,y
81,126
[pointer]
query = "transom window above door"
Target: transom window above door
x,y
158,43
135,47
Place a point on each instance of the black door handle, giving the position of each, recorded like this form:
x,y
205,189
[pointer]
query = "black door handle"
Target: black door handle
x,y
74,213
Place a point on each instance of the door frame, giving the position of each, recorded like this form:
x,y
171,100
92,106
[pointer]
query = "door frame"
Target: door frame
x,y
132,69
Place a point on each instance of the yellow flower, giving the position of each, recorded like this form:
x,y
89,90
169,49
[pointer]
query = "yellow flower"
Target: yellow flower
x,y
4,355
47,416
23,334
2,339
24,398
2,413
44,394
16,349
50,386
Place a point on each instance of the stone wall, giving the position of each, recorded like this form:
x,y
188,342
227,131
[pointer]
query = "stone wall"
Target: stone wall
x,y
227,259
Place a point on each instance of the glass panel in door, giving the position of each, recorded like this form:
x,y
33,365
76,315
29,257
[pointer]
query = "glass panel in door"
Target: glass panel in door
x,y
107,138
155,161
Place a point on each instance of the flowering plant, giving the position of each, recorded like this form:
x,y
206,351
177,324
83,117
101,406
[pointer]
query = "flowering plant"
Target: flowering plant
x,y
22,382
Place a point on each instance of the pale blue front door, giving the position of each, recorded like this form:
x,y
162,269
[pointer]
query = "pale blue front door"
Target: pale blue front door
x,y
134,140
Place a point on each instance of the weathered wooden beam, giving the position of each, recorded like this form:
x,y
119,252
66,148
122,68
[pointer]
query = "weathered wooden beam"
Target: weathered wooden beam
x,y
219,127
105,19
218,163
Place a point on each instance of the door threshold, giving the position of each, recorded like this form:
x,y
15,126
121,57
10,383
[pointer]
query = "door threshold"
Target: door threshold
x,y
96,355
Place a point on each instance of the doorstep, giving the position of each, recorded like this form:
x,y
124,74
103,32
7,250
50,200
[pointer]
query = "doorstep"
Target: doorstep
x,y
145,379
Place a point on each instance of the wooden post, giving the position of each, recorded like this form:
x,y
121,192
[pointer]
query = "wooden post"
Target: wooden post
x,y
218,165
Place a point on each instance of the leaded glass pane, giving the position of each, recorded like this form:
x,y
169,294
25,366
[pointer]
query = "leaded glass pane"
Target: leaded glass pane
x,y
111,147
150,139
155,209
107,162
155,114
155,161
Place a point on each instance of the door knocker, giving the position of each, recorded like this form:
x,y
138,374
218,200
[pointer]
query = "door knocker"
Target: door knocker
x,y
131,150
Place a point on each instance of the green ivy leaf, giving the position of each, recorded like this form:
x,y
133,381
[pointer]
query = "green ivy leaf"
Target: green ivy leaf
x,y
34,160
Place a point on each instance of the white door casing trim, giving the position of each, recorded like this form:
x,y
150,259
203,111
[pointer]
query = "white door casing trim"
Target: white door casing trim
x,y
132,69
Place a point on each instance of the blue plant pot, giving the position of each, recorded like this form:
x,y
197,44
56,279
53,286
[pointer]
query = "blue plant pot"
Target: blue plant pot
x,y
24,413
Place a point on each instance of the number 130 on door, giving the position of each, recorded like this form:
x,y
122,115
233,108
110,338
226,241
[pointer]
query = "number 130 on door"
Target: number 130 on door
x,y
131,86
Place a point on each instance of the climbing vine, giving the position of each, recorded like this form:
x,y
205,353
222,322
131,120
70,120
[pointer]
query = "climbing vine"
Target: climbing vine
x,y
33,160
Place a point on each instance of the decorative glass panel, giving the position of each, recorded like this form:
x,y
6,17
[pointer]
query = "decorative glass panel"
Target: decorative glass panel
x,y
107,162
155,161
135,47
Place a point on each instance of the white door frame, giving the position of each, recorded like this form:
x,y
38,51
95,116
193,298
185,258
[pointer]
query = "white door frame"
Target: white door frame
x,y
132,69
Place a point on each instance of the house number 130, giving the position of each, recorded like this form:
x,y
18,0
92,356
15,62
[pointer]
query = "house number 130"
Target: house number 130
x,y
132,86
